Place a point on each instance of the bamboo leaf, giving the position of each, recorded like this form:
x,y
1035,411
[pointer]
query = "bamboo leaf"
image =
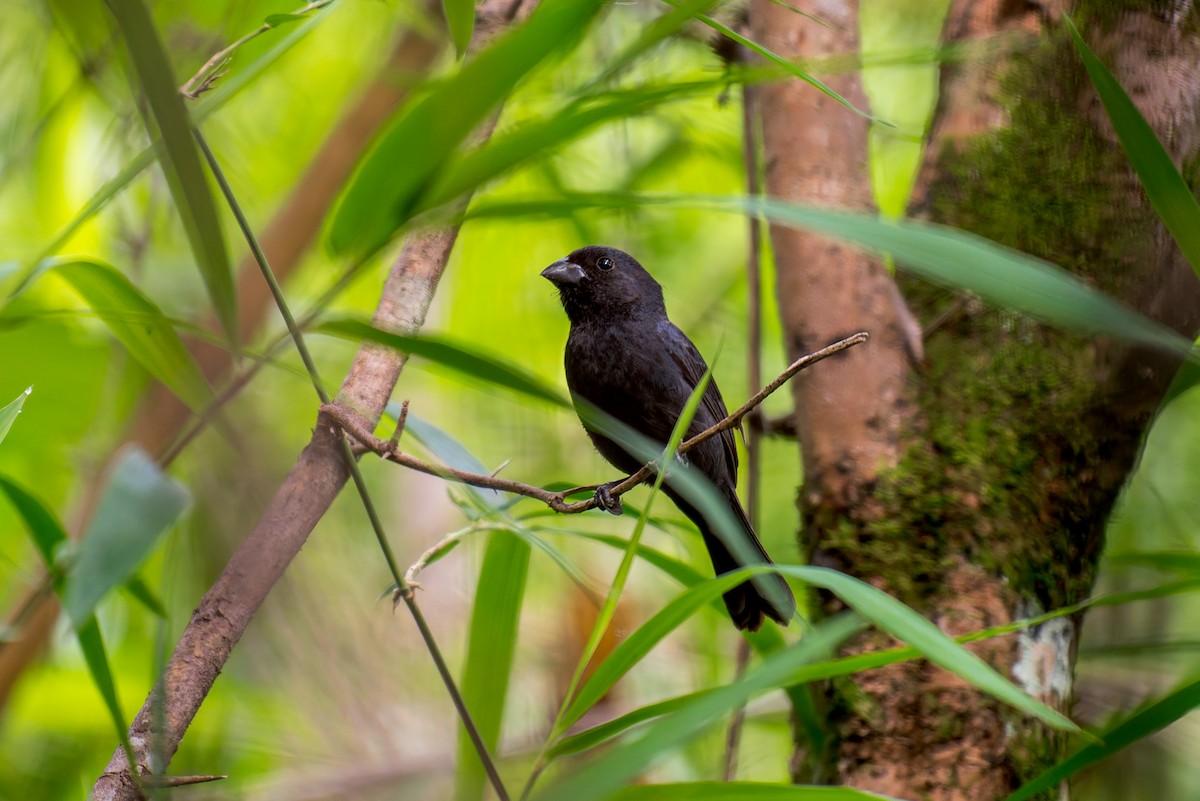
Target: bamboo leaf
x,y
180,161
138,505
140,326
115,185
8,415
999,275
1151,719
460,19
44,529
457,357
48,534
608,773
492,640
381,195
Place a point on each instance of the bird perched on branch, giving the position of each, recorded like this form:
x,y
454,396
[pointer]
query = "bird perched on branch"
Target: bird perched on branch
x,y
625,358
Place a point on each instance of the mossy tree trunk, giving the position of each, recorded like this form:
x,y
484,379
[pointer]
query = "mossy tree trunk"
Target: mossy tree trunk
x,y
969,467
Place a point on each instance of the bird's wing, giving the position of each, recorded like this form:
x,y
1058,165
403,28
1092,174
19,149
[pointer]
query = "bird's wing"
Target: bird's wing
x,y
712,406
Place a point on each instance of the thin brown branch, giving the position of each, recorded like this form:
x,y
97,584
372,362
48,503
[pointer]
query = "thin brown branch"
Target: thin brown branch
x,y
351,423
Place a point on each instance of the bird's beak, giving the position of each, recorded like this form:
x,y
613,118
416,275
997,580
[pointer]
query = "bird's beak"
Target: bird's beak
x,y
564,273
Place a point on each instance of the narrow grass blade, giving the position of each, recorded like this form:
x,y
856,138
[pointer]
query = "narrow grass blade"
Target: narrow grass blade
x,y
491,643
138,505
457,357
905,624
140,326
181,162
608,773
1142,724
637,645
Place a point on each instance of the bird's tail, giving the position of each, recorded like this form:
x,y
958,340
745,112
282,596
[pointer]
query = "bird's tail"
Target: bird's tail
x,y
766,594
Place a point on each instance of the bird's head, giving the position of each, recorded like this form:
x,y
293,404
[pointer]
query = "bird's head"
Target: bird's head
x,y
601,283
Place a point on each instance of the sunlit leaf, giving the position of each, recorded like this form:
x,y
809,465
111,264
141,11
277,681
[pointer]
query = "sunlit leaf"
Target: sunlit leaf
x,y
381,195
181,162
8,414
212,101
140,326
491,643
139,503
457,357
536,137
1140,725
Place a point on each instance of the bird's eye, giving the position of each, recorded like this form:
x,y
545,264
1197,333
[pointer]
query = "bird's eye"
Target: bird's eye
x,y
605,264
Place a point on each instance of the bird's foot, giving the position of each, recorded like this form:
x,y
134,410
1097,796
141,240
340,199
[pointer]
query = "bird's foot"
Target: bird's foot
x,y
606,501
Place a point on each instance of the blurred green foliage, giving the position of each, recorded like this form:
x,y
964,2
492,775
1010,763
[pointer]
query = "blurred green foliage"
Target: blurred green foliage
x,y
331,695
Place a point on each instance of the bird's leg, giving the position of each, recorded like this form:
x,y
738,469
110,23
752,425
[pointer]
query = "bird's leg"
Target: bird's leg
x,y
605,499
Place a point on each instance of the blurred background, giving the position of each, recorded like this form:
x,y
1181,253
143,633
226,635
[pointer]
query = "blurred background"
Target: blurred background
x,y
331,694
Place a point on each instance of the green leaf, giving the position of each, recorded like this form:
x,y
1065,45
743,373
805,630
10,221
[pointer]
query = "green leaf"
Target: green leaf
x,y
460,19
278,20
637,645
138,505
451,453
380,197
146,597
180,161
8,414
140,326
48,535
211,102
742,791
536,138
608,773
457,357
1165,187
1186,562
947,256
45,531
602,733
907,625
1153,718
493,637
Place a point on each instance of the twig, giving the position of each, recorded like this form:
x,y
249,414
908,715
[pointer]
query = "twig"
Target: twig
x,y
204,78
557,501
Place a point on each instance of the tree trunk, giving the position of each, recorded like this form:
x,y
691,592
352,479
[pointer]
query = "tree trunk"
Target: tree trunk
x,y
974,481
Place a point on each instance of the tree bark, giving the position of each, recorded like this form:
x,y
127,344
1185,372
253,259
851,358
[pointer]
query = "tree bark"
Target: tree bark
x,y
975,483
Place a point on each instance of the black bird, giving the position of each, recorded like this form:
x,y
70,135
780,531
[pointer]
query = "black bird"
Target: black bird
x,y
627,359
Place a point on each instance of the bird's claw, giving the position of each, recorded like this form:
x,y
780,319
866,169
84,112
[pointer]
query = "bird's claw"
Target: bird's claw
x,y
606,501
